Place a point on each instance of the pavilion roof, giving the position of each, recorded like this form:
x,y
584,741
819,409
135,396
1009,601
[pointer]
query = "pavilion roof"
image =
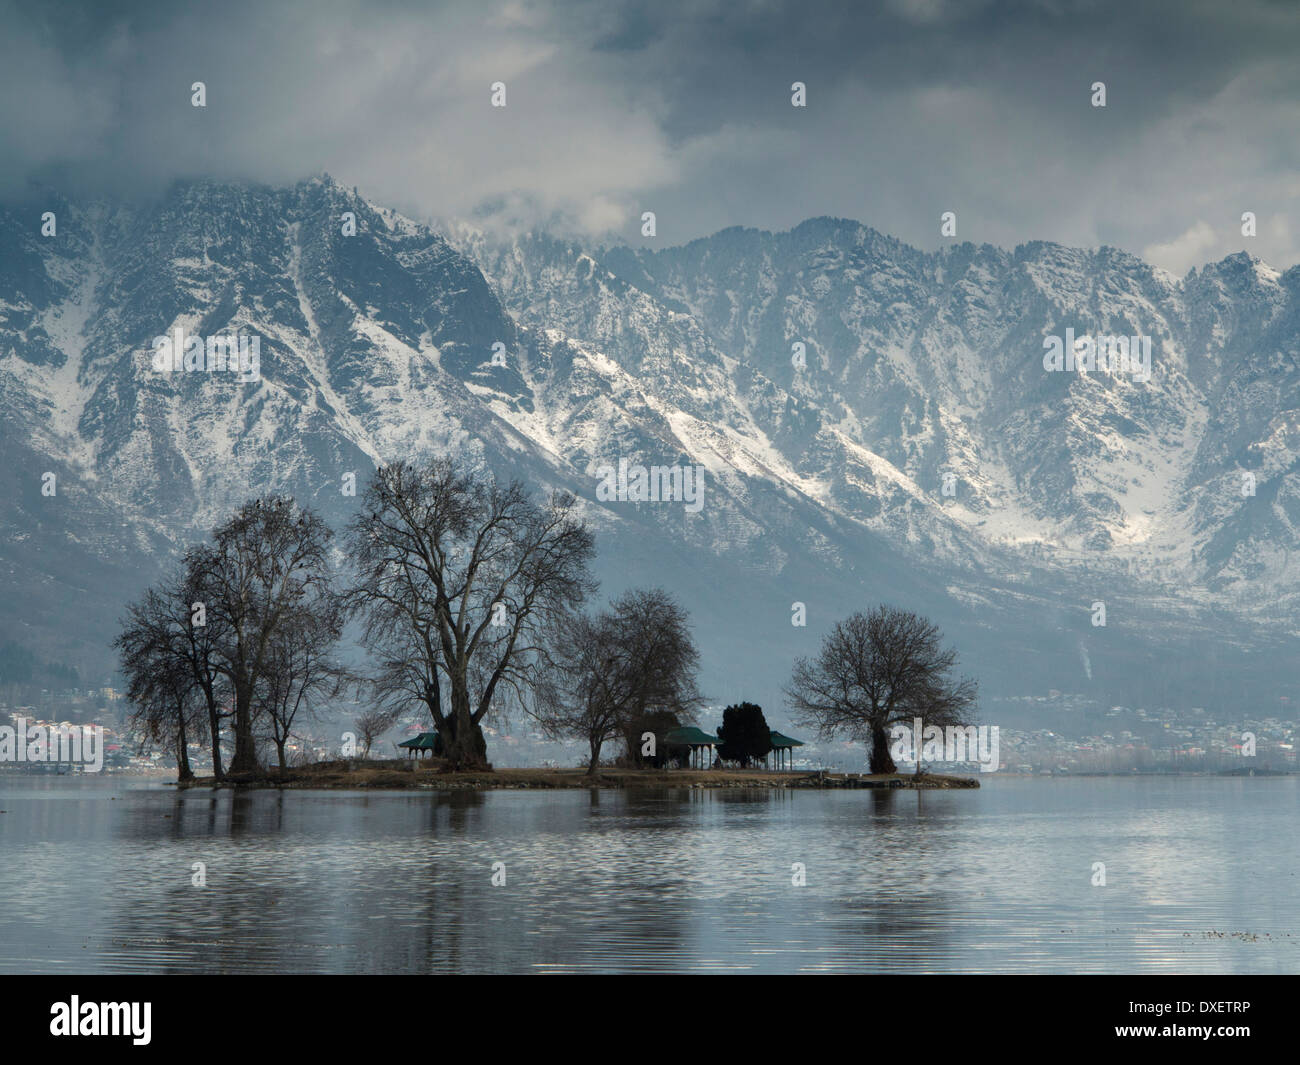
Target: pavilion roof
x,y
779,740
425,741
690,736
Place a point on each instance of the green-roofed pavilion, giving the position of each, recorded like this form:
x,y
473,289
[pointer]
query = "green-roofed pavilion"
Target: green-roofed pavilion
x,y
425,741
697,740
783,747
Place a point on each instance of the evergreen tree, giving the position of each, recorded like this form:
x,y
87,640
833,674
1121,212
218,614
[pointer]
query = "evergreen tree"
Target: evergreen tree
x,y
744,734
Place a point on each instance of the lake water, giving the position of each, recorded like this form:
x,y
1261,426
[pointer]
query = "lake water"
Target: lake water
x,y
1202,875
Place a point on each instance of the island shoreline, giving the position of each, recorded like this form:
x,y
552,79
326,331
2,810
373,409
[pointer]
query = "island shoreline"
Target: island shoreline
x,y
403,776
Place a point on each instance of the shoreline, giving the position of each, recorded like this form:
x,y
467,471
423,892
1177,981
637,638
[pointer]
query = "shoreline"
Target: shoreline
x,y
401,776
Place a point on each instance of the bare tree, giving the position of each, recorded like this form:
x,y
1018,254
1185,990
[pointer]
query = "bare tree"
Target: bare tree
x,y
631,661
459,579
585,696
201,637
654,631
875,670
371,725
160,685
267,567
301,670
183,639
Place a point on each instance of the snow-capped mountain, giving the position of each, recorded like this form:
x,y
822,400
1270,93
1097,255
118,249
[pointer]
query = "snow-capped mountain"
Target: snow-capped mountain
x,y
919,365
874,422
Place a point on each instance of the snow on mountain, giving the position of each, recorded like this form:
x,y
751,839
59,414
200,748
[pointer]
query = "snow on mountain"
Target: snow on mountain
x,y
919,452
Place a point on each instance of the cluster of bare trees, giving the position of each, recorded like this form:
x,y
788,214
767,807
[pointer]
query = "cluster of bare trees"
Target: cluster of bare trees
x,y
470,595
241,637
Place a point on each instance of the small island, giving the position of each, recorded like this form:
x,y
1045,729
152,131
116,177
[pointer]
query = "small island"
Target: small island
x,y
465,597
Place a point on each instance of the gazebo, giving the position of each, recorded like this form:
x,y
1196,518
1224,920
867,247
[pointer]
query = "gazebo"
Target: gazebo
x,y
425,741
783,747
696,740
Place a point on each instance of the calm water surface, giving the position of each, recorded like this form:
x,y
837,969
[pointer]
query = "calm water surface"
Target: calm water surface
x,y
1202,875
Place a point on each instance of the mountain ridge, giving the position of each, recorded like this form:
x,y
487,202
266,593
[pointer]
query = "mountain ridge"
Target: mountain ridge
x,y
825,485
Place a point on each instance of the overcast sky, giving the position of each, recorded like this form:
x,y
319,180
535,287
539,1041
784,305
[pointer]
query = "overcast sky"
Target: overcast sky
x,y
915,107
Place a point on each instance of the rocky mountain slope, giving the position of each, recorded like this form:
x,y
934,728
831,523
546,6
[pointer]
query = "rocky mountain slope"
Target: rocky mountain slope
x,y
918,452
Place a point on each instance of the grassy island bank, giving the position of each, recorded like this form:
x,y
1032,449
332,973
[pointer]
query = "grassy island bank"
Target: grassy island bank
x,y
400,774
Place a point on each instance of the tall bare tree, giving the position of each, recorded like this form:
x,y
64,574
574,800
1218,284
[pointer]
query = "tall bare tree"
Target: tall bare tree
x,y
875,670
267,569
463,577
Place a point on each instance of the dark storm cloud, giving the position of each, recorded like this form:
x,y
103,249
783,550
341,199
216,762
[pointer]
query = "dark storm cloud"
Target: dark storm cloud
x,y
915,107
